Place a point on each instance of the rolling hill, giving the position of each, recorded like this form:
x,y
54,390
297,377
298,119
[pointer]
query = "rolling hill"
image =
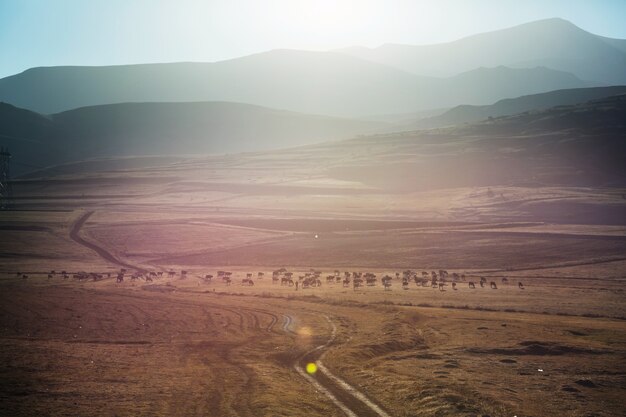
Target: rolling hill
x,y
161,129
470,114
552,43
307,82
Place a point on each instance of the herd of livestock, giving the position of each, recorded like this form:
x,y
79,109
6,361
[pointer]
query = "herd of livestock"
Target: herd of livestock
x,y
311,279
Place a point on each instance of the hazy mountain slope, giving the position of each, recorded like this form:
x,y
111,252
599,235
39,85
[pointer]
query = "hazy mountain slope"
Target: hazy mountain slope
x,y
468,114
307,82
162,129
576,146
553,43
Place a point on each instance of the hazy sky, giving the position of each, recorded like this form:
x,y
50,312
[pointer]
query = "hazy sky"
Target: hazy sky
x,y
101,32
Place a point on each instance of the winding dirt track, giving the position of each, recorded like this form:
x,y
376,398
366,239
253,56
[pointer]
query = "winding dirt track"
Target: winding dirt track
x,y
105,254
350,400
347,398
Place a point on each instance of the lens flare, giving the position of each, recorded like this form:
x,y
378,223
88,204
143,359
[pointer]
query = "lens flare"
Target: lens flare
x,y
311,368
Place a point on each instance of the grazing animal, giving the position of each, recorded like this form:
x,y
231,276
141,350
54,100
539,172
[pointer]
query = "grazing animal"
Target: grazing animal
x,y
247,281
24,276
227,280
482,284
493,285
148,278
387,284
441,285
49,276
260,275
454,285
505,280
346,282
520,285
405,284
120,278
471,284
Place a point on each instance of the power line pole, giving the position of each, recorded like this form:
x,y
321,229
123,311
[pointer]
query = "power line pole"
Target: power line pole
x,y
5,179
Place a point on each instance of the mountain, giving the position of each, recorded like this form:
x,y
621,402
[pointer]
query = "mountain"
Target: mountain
x,y
302,81
552,43
161,129
470,114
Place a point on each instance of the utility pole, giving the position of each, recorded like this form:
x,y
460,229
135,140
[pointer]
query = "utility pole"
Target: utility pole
x,y
5,179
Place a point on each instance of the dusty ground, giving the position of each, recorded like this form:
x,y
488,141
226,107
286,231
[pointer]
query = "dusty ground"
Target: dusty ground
x,y
183,347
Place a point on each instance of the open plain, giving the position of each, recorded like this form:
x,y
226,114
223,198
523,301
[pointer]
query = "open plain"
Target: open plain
x,y
162,342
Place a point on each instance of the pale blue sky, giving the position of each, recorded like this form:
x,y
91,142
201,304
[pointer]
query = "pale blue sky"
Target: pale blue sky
x,y
107,32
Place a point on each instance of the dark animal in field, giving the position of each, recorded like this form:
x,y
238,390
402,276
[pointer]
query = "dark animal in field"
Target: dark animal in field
x,y
454,285
493,285
482,284
120,278
227,280
24,276
405,284
260,275
247,281
65,276
49,276
471,284
275,279
387,284
208,278
346,282
505,280
148,278
330,279
441,285
520,285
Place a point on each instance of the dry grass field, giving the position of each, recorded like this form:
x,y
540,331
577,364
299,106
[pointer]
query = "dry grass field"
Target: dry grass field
x,y
182,346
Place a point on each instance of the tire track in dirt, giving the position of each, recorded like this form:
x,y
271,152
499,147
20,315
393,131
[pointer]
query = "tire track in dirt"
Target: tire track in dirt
x,y
347,398
105,254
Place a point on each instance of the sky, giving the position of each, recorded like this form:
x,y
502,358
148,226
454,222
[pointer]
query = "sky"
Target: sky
x,y
111,32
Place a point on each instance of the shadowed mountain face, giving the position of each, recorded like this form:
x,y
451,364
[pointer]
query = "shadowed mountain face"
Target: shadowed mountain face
x,y
552,43
161,129
307,82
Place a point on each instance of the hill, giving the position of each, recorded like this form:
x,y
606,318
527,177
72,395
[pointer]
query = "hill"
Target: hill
x,y
161,129
552,43
579,145
307,82
470,114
